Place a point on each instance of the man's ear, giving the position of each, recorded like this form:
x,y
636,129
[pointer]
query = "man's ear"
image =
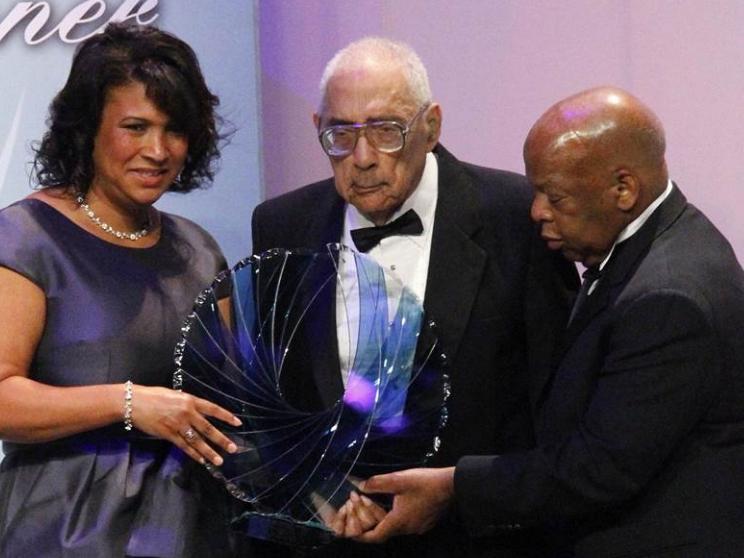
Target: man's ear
x,y
316,121
433,125
627,189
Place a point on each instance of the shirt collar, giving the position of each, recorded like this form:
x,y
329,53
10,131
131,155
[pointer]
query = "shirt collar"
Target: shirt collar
x,y
635,225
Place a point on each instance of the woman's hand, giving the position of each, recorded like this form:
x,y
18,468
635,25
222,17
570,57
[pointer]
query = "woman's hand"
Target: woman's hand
x,y
358,515
421,498
182,419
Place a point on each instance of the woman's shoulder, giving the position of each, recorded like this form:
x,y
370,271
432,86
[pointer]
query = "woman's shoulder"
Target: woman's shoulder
x,y
38,205
22,217
182,230
42,212
184,227
26,229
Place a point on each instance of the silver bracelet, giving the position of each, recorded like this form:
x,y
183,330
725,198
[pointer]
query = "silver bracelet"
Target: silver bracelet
x,y
128,405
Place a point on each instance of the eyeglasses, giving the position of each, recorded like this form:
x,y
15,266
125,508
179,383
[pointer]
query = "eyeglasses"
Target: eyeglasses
x,y
386,136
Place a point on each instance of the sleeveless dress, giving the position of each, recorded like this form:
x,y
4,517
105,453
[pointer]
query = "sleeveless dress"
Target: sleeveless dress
x,y
113,314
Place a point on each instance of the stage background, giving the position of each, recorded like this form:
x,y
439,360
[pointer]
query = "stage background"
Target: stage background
x,y
495,66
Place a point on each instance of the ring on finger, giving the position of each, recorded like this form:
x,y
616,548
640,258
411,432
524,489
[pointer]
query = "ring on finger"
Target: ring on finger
x,y
189,434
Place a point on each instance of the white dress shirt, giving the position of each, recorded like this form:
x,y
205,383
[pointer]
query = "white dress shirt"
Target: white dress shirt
x,y
633,227
405,257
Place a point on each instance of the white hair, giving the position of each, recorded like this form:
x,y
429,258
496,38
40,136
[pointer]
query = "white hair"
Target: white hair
x,y
382,50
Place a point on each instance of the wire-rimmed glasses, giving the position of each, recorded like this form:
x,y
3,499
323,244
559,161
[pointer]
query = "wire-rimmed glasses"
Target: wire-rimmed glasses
x,y
386,136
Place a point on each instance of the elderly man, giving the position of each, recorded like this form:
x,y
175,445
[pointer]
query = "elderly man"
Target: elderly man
x,y
471,254
641,431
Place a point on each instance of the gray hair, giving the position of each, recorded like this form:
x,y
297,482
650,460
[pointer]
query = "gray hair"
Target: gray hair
x,y
383,50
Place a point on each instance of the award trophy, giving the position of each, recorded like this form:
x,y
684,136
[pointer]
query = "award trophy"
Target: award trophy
x,y
263,342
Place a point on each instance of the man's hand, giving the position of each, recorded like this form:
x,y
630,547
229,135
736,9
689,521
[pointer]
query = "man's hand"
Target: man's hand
x,y
421,497
358,515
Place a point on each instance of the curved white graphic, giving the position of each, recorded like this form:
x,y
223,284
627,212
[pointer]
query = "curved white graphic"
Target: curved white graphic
x,y
10,140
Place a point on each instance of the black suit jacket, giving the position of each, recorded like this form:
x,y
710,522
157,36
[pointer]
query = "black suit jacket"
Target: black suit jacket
x,y
641,434
498,296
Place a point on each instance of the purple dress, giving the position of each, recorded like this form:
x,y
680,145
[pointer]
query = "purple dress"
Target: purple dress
x,y
113,314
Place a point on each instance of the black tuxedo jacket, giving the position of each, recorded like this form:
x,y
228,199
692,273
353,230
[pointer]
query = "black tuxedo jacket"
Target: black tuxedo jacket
x,y
498,297
500,300
641,429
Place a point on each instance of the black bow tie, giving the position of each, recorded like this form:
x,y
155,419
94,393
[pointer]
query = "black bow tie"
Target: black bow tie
x,y
368,237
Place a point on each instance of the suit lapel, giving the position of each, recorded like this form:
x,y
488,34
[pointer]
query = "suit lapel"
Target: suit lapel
x,y
325,227
623,264
456,262
325,220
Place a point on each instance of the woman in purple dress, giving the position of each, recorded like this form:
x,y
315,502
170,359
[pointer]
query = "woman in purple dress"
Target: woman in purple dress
x,y
94,286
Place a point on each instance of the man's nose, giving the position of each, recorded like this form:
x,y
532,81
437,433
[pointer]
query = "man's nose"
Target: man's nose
x,y
539,211
364,154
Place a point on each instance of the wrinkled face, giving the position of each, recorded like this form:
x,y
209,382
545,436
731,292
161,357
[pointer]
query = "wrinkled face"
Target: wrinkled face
x,y
575,205
377,183
136,153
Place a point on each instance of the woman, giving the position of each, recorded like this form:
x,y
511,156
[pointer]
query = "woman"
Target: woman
x,y
94,286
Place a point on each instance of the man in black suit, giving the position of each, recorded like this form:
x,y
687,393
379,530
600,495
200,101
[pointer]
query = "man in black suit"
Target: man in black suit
x,y
641,430
497,295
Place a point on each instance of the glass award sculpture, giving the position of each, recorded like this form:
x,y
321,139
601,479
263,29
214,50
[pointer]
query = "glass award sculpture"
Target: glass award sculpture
x,y
263,342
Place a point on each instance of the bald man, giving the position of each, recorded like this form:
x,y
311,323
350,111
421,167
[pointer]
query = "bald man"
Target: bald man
x,y
641,426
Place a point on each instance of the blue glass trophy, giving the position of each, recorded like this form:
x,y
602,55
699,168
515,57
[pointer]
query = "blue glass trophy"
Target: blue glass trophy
x,y
263,342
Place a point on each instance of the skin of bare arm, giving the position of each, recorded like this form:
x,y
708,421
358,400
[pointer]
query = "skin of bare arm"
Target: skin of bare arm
x,y
32,412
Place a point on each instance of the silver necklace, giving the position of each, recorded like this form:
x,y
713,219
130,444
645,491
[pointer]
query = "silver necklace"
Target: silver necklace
x,y
133,236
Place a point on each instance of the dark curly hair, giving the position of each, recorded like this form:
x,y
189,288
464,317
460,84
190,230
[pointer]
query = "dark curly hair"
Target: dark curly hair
x,y
123,54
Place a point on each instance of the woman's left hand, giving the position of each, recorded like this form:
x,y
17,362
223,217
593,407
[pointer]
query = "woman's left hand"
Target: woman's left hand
x,y
182,419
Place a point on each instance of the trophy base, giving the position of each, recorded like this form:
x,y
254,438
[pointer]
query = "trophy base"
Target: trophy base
x,y
282,531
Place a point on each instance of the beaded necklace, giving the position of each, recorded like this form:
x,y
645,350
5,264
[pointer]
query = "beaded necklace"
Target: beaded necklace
x,y
133,236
